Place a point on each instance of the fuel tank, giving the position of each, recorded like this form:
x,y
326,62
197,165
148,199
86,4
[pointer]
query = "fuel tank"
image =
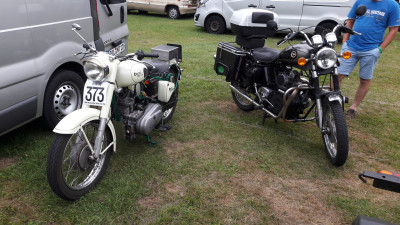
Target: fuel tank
x,y
292,54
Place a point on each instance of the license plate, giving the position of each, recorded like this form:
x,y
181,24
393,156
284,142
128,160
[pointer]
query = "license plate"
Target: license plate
x,y
95,93
117,50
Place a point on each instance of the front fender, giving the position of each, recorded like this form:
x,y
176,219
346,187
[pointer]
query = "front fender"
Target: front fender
x,y
73,121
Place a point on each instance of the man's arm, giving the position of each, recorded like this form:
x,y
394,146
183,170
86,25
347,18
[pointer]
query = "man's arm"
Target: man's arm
x,y
349,24
389,37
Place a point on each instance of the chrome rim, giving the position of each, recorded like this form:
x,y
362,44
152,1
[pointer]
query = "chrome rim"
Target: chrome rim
x,y
79,169
66,99
167,113
330,133
214,25
173,13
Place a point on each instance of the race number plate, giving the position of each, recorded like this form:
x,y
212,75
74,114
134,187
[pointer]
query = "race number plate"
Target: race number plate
x,y
95,93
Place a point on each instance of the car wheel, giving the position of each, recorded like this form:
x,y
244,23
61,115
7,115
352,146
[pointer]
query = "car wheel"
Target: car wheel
x,y
215,25
63,95
173,12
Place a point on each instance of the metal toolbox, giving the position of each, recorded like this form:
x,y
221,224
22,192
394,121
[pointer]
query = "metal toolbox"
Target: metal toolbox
x,y
168,52
228,61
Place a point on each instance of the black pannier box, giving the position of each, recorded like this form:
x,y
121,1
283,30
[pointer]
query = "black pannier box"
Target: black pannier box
x,y
250,26
229,61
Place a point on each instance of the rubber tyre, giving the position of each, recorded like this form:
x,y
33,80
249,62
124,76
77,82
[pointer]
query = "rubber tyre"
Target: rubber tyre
x,y
215,25
173,12
65,85
54,167
336,140
241,103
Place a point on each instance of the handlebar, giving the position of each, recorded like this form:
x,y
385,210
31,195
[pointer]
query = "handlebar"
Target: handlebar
x,y
141,55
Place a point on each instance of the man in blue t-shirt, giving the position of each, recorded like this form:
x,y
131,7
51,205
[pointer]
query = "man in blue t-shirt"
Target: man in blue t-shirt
x,y
367,48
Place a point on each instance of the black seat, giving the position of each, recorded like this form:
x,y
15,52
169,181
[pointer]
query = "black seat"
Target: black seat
x,y
159,66
265,55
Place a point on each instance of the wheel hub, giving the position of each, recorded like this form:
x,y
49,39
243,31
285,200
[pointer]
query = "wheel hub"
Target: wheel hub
x,y
84,160
66,100
214,26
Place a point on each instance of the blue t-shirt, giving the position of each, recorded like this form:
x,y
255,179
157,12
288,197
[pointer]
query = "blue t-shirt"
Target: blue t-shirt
x,y
372,25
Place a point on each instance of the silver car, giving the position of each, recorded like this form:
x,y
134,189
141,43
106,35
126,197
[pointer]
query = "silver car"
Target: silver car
x,y
40,76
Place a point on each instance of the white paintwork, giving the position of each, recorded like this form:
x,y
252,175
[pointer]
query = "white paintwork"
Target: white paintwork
x,y
243,17
165,90
73,122
293,14
129,73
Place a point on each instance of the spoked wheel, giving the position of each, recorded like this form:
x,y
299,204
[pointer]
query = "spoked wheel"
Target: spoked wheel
x,y
242,103
72,170
335,135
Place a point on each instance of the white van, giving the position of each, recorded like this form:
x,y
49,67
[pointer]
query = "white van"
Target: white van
x,y
40,76
214,15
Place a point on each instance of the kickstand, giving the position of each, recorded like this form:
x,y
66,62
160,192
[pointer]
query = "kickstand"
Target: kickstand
x,y
264,118
151,143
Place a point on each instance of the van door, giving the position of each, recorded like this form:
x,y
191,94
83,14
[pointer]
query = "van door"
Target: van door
x,y
289,12
18,100
110,27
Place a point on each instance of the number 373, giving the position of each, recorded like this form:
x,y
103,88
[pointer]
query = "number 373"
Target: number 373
x,y
94,94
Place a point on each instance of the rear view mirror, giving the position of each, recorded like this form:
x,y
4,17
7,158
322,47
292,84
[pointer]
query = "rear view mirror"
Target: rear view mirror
x,y
361,10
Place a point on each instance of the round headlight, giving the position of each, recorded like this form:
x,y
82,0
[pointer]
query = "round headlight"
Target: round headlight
x,y
326,58
95,68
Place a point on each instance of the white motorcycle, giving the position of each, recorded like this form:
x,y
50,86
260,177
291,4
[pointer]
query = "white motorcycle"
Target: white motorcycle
x,y
141,93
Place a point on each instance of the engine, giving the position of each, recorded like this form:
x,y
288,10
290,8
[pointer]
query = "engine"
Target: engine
x,y
273,94
139,116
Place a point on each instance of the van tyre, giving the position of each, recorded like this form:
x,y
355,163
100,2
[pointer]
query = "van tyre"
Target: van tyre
x,y
63,95
325,28
173,12
215,25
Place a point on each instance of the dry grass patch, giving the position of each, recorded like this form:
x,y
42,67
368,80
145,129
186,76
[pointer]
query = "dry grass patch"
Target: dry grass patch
x,y
6,162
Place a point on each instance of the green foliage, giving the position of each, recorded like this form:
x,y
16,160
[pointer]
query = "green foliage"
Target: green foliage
x,y
217,165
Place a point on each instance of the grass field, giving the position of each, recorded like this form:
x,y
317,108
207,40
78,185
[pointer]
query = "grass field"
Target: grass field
x,y
217,165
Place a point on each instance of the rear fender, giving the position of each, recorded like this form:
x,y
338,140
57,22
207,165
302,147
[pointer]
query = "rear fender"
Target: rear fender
x,y
74,121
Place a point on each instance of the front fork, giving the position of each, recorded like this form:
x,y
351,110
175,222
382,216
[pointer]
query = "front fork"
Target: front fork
x,y
318,92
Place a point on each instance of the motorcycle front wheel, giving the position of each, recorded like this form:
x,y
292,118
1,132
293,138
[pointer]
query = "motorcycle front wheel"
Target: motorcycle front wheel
x,y
72,171
334,133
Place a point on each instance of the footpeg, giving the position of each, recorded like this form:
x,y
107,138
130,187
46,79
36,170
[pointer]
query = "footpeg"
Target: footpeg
x,y
164,128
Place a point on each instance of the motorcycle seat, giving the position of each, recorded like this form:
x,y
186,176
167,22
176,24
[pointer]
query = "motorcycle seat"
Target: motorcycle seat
x,y
265,55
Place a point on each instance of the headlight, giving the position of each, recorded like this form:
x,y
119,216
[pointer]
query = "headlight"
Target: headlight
x,y
326,58
331,38
95,68
317,41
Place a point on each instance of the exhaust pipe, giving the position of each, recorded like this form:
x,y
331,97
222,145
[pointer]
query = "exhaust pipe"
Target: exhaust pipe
x,y
252,101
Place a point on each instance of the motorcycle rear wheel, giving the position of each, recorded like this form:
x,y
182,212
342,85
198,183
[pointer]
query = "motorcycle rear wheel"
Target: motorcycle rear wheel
x,y
71,173
242,103
335,135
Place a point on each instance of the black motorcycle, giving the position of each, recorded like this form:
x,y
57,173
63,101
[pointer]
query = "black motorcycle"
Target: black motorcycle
x,y
297,84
